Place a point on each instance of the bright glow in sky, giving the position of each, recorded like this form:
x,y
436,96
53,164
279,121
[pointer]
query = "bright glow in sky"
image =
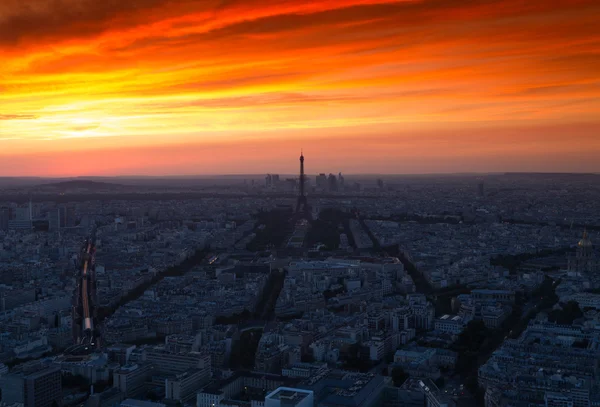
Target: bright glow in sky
x,y
160,87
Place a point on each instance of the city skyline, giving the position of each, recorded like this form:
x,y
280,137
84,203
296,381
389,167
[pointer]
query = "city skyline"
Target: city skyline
x,y
364,86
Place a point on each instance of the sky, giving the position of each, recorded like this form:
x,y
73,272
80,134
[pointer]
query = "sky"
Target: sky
x,y
164,87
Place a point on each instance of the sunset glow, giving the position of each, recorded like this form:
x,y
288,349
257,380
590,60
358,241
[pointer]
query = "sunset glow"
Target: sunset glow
x,y
211,87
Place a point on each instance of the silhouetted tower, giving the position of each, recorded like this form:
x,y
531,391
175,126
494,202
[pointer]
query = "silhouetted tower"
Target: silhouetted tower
x,y
341,181
301,174
332,182
302,205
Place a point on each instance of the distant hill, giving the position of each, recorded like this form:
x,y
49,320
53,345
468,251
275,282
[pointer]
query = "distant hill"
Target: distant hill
x,y
82,184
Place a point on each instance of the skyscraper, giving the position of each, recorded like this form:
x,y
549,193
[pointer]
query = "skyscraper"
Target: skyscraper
x,y
23,218
321,181
341,181
4,218
63,216
54,219
332,183
24,213
70,216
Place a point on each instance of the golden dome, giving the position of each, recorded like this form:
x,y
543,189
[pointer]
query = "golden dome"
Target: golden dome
x,y
585,240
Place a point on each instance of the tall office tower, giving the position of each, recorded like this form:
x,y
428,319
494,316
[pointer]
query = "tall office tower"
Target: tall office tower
x,y
341,181
63,216
480,189
85,222
4,218
268,181
332,183
321,181
23,218
54,219
70,216
32,385
23,213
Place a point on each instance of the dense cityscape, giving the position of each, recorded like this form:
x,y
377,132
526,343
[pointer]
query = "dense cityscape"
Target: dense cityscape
x,y
301,290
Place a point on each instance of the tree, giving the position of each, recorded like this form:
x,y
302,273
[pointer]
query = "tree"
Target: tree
x,y
152,396
440,382
102,385
307,358
332,293
565,316
571,312
471,384
470,343
243,351
328,294
72,381
399,376
472,336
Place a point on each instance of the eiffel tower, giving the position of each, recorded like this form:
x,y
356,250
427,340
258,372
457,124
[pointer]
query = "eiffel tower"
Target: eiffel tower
x,y
302,207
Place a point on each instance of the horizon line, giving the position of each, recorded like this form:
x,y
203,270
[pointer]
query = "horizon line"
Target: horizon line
x,y
292,174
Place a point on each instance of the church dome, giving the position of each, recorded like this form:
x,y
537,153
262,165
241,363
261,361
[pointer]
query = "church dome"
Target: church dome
x,y
585,240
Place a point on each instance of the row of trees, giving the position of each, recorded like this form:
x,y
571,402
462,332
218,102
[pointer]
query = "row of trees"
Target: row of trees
x,y
565,316
243,351
512,261
137,292
328,227
273,228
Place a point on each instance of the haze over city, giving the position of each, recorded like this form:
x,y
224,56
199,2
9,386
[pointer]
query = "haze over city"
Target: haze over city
x,y
156,87
286,203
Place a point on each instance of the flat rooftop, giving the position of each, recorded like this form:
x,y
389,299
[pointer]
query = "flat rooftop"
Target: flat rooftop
x,y
490,291
290,395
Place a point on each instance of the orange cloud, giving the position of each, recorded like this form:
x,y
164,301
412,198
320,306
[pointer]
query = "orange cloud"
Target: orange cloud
x,y
92,77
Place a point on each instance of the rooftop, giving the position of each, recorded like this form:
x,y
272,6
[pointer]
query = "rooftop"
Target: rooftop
x,y
488,291
140,403
290,395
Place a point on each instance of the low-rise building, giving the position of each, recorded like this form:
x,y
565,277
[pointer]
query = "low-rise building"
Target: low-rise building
x,y
289,397
451,324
